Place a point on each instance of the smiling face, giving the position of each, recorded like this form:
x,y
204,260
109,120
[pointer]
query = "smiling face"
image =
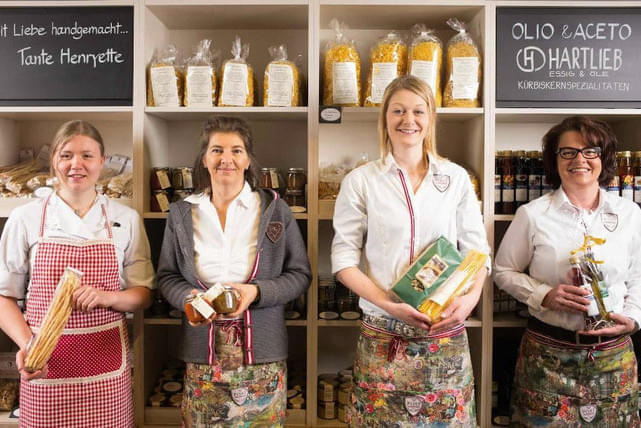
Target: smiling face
x,y
407,120
226,159
578,173
78,163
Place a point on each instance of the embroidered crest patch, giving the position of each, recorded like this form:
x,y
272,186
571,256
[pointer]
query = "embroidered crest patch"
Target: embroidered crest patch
x,y
414,404
275,231
441,182
610,221
239,395
588,412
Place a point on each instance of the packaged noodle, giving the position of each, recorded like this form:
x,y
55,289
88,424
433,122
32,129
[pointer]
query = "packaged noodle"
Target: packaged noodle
x,y
388,60
437,276
164,79
200,77
237,80
54,322
463,70
341,70
425,59
281,87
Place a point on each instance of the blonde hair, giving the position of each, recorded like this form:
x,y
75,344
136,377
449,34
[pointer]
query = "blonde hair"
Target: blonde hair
x,y
420,88
66,132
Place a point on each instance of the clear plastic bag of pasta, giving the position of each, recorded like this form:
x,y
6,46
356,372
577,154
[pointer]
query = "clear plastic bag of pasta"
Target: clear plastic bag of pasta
x,y
164,79
237,78
388,60
200,77
425,59
463,69
341,69
282,83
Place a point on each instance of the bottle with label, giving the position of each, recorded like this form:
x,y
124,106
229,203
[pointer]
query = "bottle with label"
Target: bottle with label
x,y
613,185
636,170
507,183
497,182
580,280
626,175
199,307
521,173
535,179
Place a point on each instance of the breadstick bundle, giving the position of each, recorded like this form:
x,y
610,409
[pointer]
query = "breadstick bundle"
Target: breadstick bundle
x,y
54,321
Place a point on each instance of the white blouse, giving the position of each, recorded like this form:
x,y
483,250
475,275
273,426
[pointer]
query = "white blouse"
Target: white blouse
x,y
225,255
19,240
372,217
534,254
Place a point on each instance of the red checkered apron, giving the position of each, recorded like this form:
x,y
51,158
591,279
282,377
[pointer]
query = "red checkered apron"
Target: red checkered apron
x,y
88,383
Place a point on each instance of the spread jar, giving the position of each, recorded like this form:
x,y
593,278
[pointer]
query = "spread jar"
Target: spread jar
x,y
228,301
160,178
198,307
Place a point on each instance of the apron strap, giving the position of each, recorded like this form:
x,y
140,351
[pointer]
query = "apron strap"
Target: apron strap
x,y
411,213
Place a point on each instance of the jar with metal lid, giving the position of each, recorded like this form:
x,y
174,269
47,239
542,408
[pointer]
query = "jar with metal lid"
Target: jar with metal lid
x,y
228,301
160,178
181,194
182,177
296,200
270,178
296,179
159,202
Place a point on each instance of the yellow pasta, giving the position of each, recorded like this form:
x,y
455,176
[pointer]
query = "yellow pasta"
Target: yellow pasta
x,y
425,59
388,60
460,48
198,67
340,54
273,97
229,85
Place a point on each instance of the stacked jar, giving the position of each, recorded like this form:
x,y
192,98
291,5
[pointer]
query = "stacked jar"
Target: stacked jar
x,y
328,386
346,302
327,309
182,179
270,178
295,193
161,189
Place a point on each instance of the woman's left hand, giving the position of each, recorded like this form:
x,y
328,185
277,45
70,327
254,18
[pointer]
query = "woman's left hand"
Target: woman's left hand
x,y
248,293
456,313
87,298
624,325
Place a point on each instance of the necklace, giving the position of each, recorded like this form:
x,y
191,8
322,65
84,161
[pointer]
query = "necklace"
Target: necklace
x,y
80,212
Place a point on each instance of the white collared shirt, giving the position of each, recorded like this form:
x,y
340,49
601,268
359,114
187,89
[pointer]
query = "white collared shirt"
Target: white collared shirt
x,y
539,242
372,216
225,255
21,232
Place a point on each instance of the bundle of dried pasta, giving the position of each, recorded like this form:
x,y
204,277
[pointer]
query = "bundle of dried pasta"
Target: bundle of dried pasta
x,y
425,59
37,180
200,77
463,71
281,87
18,183
121,186
388,60
164,79
237,79
19,170
341,70
54,321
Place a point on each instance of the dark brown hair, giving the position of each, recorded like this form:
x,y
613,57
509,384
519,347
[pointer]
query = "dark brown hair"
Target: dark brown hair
x,y
66,132
225,125
595,133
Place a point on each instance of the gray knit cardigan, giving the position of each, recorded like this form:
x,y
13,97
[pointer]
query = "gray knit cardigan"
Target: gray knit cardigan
x,y
283,275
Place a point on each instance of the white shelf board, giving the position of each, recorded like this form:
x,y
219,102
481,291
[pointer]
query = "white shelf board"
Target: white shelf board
x,y
520,115
503,217
250,113
230,14
66,113
444,114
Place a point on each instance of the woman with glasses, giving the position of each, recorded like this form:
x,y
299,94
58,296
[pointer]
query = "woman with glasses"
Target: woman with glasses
x,y
568,372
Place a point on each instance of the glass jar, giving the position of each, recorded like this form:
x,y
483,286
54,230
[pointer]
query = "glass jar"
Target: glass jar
x,y
270,179
296,200
160,178
182,178
296,179
228,301
159,202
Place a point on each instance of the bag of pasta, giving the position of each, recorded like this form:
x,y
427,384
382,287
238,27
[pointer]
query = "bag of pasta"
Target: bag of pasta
x,y
200,77
425,59
281,86
463,70
341,69
164,79
388,60
237,79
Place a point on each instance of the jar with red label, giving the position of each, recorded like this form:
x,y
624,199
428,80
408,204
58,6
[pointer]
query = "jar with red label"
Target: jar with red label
x,y
160,178
159,202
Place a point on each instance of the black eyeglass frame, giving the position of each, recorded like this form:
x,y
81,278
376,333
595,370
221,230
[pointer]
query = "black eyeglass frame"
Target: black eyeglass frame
x,y
576,152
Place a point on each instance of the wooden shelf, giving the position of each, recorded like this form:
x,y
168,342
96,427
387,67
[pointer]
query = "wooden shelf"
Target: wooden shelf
x,y
6,421
508,319
503,217
250,113
326,209
66,113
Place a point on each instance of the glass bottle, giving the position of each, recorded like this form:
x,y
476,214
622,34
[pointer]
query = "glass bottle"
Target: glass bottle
x,y
497,182
626,175
636,170
613,185
535,178
580,280
521,173
507,183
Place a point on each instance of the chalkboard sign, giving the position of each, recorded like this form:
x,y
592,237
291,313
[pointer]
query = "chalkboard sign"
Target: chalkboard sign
x,y
568,57
66,56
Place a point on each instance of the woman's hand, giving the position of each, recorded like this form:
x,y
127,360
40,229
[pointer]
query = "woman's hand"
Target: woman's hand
x,y
20,357
568,298
248,293
456,313
87,298
409,315
624,325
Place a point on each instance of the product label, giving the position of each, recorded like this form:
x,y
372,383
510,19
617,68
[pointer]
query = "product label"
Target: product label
x,y
637,188
163,179
164,86
188,183
214,291
199,304
465,77
627,187
521,187
199,86
613,185
273,175
345,87
534,186
497,187
546,187
425,70
163,202
507,191
382,74
593,309
281,85
235,88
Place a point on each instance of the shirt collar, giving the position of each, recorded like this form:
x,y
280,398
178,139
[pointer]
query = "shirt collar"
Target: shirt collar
x,y
243,198
390,164
560,200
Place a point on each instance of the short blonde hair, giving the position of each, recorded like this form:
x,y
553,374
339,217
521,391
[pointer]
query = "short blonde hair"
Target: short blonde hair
x,y
420,88
66,132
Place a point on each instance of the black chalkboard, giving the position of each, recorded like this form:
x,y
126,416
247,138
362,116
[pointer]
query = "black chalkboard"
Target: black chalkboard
x,y
66,56
568,57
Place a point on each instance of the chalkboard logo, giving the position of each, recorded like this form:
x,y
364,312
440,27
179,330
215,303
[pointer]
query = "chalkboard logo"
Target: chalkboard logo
x,y
530,59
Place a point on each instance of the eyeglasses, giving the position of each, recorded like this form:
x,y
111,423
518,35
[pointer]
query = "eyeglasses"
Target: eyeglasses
x,y
571,153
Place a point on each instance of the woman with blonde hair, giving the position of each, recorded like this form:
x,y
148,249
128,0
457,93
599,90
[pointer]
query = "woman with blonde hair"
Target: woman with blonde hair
x,y
87,380
407,372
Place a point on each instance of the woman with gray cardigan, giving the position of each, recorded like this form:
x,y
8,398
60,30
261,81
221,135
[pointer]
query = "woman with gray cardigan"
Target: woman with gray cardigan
x,y
230,232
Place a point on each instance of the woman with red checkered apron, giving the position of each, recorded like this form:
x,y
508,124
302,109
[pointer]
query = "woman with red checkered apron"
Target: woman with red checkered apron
x,y
87,380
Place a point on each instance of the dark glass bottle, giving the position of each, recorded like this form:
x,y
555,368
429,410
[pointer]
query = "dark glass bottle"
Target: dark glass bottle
x,y
507,183
626,175
497,182
521,173
535,179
